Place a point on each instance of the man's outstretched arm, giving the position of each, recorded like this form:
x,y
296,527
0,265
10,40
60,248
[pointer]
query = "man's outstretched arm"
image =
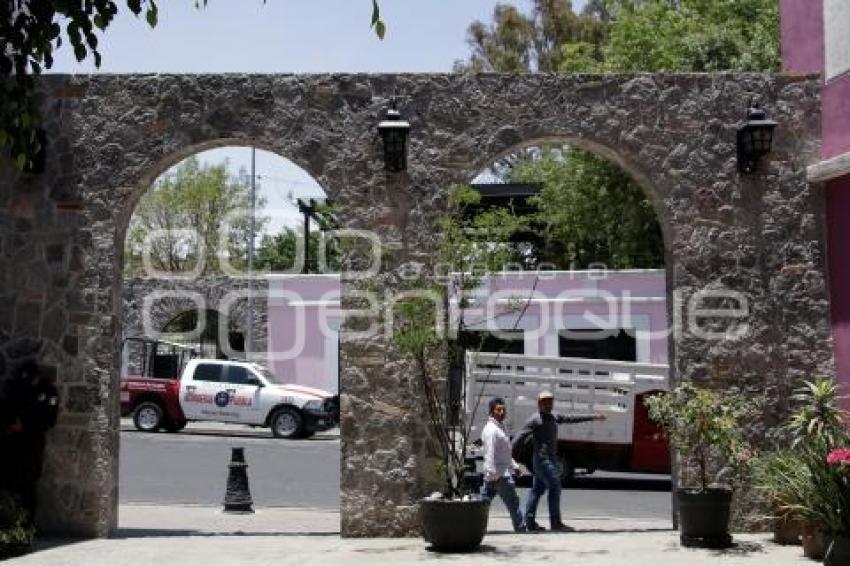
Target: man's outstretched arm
x,y
576,419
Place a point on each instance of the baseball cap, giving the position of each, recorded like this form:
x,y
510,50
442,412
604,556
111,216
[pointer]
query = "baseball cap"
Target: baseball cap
x,y
545,395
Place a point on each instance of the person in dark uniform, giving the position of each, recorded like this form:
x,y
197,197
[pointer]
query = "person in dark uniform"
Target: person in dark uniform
x,y
29,410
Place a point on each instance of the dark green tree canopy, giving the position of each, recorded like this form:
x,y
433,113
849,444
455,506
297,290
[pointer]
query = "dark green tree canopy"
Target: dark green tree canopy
x,y
628,35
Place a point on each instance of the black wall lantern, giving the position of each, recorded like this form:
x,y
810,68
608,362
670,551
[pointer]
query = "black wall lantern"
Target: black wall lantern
x,y
755,139
394,130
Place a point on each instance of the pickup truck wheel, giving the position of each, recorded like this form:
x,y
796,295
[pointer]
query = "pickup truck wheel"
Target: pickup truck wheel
x,y
287,423
147,416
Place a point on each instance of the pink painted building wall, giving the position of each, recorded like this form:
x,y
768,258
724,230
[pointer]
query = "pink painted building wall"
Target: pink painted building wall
x,y
304,316
816,39
304,319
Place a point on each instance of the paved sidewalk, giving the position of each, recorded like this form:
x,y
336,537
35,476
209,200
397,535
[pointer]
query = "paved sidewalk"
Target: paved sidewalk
x,y
168,535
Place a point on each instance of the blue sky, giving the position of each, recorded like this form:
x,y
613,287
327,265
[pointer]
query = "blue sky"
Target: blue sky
x,y
286,36
289,36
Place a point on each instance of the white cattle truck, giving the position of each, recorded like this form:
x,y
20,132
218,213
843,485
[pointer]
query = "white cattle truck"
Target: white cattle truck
x,y
627,441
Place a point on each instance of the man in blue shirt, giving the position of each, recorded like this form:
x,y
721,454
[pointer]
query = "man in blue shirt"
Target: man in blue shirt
x,y
543,427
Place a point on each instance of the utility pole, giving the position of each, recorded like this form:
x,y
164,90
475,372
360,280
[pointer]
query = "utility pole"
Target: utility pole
x,y
249,347
308,209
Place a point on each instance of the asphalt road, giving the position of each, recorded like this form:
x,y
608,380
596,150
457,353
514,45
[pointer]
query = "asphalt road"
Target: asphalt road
x,y
191,468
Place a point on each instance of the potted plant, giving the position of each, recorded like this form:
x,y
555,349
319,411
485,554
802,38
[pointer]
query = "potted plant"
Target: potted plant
x,y
703,427
838,521
783,478
455,517
817,427
16,530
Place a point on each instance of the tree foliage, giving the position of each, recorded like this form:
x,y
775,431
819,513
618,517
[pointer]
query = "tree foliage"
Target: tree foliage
x,y
628,35
32,30
515,42
694,35
470,246
591,212
198,210
279,253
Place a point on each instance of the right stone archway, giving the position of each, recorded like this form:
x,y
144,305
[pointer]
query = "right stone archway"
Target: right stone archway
x,y
759,236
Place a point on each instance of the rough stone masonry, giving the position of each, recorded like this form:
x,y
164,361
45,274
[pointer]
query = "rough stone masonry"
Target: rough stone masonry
x,y
62,234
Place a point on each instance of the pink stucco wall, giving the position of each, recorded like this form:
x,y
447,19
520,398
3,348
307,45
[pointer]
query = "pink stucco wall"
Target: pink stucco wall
x,y
838,213
304,316
801,27
836,117
303,329
804,50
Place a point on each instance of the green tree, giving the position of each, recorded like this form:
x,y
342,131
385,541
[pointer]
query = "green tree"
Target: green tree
x,y
693,35
188,209
590,211
31,30
628,35
278,252
515,42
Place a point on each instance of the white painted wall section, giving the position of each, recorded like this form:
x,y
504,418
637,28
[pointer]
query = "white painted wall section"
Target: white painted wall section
x,y
836,19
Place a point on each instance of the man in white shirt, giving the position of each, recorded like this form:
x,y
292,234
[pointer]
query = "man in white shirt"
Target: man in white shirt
x,y
499,466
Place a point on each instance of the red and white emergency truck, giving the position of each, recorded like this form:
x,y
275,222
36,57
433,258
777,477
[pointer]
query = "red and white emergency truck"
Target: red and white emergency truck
x,y
626,441
168,387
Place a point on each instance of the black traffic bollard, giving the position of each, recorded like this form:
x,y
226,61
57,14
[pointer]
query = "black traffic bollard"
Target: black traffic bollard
x,y
237,498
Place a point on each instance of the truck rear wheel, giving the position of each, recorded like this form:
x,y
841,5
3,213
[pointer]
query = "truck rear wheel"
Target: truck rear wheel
x,y
568,471
287,423
147,416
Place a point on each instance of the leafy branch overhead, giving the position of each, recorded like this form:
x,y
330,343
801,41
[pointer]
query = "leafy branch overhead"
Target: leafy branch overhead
x,y
32,30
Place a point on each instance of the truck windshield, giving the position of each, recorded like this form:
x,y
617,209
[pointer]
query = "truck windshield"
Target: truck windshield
x,y
268,375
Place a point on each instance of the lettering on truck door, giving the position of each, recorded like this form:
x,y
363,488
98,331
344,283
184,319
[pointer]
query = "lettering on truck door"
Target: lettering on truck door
x,y
244,388
198,392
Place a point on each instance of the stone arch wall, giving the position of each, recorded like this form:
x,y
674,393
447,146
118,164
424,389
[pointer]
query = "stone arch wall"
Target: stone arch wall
x,y
110,135
160,300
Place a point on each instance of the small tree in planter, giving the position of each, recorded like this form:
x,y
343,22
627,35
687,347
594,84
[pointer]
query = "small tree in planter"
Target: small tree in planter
x,y
471,246
784,480
704,427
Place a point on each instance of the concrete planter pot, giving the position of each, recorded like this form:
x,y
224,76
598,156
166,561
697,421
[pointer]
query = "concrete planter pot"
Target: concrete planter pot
x,y
454,526
787,530
812,539
704,517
